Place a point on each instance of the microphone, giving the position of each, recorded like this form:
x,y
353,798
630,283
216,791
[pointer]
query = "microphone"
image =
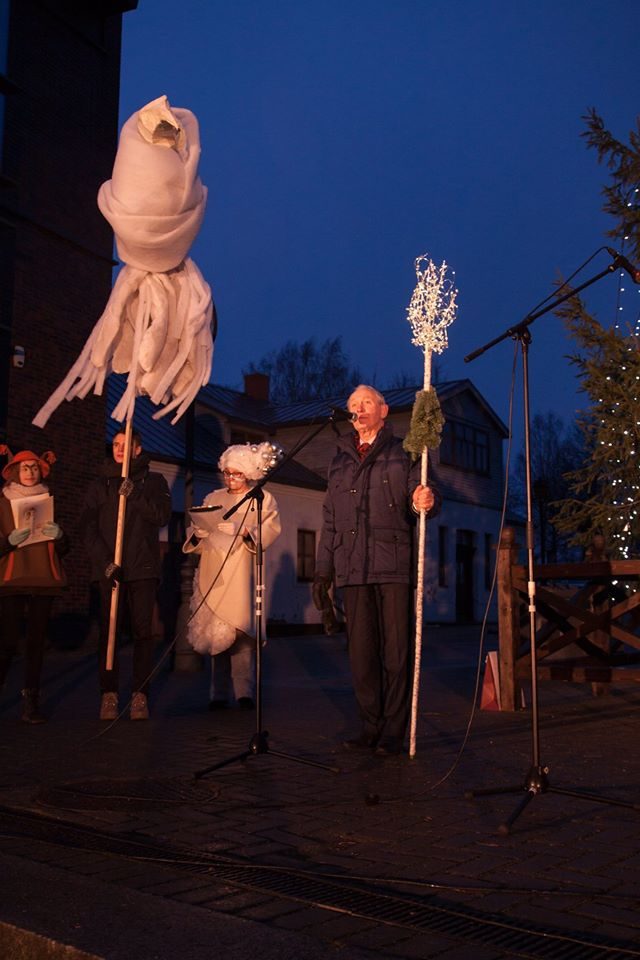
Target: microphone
x,y
205,509
338,415
624,264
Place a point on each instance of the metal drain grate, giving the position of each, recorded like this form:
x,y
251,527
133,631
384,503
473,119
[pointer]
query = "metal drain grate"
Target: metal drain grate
x,y
424,914
125,794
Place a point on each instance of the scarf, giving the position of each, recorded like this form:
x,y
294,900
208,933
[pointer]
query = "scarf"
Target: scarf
x,y
16,491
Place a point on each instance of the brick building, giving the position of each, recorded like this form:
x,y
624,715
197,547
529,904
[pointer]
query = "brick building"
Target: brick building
x,y
59,93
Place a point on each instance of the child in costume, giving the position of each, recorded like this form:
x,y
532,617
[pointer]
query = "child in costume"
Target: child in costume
x,y
31,573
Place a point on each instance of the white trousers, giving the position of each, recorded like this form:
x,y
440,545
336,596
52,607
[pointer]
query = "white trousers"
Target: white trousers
x,y
233,672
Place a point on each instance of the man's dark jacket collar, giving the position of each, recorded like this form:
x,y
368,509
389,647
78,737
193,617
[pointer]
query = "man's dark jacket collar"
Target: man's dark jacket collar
x,y
138,467
384,435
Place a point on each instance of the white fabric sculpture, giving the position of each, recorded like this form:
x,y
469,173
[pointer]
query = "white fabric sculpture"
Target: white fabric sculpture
x,y
157,323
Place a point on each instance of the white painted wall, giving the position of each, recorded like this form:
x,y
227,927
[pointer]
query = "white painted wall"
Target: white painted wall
x,y
289,601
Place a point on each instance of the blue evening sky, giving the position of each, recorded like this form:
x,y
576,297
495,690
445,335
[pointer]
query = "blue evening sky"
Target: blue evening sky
x,y
343,138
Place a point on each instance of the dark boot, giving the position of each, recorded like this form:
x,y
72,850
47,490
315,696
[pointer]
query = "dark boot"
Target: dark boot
x,y
30,711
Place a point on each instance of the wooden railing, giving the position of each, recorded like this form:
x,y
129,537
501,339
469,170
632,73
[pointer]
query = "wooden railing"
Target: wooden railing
x,y
587,624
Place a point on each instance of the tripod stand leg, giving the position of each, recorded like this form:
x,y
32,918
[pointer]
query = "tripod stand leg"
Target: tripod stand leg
x,y
491,791
310,763
596,798
223,763
536,782
259,744
505,826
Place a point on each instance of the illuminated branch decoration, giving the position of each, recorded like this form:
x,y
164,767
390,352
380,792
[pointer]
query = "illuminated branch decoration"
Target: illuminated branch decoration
x,y
431,310
433,307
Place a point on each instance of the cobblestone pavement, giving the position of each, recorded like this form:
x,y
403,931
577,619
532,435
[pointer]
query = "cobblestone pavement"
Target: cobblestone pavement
x,y
359,857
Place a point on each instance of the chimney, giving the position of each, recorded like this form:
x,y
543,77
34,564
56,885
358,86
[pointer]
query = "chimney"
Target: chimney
x,y
256,385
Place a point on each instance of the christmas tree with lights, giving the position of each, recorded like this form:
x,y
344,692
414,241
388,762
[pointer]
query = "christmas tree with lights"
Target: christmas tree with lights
x,y
604,493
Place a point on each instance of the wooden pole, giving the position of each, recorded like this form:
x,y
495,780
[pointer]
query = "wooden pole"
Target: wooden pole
x,y
115,589
508,620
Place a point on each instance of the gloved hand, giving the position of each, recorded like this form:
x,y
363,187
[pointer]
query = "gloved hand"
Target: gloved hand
x,y
227,527
126,487
330,622
51,529
113,572
320,592
196,535
18,536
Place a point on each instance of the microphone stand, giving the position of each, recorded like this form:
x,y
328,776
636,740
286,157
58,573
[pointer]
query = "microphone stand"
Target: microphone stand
x,y
536,780
259,742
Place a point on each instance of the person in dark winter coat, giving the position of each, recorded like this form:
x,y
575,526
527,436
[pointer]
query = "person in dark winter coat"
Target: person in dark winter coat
x,y
31,573
148,509
366,548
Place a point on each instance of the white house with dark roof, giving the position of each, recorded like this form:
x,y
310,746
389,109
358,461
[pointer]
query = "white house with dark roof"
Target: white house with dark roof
x,y
467,468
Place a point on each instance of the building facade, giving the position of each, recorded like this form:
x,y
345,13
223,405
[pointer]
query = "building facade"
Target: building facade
x,y
467,469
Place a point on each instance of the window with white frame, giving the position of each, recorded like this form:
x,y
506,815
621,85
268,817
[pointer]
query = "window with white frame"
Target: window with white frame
x,y
306,563
465,446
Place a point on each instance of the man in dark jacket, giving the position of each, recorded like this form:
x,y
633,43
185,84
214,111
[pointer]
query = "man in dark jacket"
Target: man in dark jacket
x,y
373,497
148,508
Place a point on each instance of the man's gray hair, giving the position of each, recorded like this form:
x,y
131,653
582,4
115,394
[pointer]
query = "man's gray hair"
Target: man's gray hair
x,y
365,386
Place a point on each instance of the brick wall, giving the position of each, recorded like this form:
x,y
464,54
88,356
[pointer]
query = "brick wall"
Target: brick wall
x,y
60,137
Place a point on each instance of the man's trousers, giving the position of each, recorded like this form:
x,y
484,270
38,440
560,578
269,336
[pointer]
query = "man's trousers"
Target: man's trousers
x,y
380,652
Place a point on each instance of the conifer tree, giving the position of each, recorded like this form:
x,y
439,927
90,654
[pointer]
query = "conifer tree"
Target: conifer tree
x,y
605,493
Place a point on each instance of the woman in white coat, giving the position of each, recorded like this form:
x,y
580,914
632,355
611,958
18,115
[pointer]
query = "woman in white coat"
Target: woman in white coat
x,y
223,599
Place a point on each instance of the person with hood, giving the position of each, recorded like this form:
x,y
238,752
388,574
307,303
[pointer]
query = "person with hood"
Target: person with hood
x,y
31,572
366,549
223,601
148,509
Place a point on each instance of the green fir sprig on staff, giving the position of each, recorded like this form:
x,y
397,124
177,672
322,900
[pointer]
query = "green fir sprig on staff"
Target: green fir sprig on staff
x,y
427,422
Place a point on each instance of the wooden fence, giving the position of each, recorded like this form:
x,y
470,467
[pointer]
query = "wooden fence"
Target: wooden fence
x,y
587,621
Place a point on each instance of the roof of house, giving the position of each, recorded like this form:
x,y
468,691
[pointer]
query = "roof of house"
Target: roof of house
x,y
165,441
239,407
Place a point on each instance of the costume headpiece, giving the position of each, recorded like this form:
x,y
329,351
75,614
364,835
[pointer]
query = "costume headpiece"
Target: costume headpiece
x,y
45,461
255,460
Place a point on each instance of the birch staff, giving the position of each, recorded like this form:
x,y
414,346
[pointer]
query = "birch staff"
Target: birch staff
x,y
117,559
431,310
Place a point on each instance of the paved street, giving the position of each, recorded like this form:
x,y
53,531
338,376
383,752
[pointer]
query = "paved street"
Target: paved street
x,y
110,844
